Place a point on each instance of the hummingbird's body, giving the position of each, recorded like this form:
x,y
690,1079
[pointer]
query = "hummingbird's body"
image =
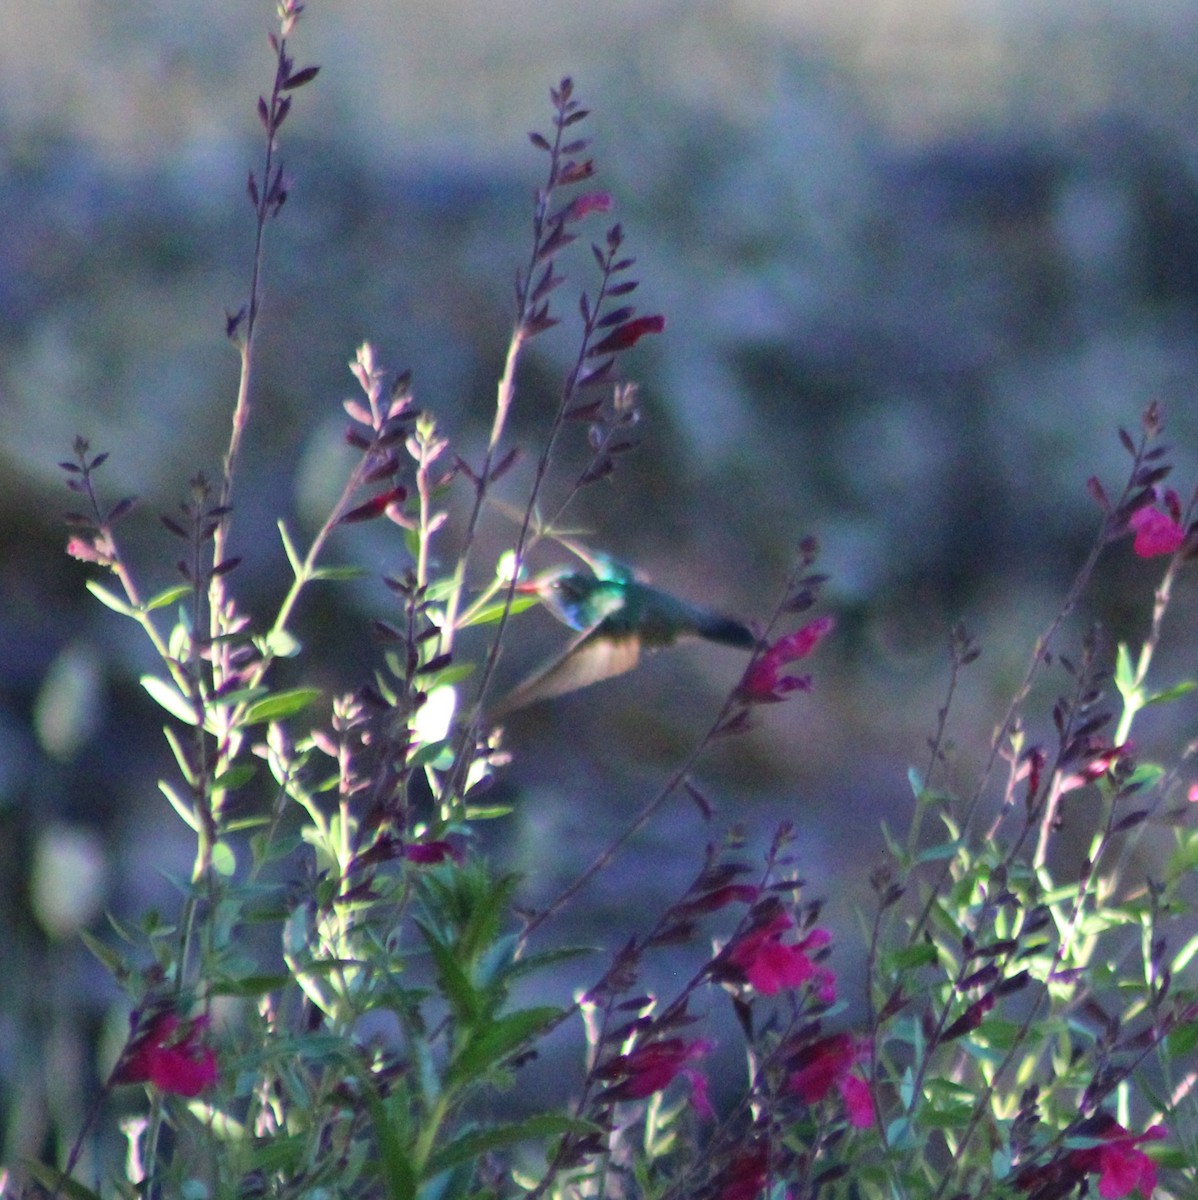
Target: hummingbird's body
x,y
615,615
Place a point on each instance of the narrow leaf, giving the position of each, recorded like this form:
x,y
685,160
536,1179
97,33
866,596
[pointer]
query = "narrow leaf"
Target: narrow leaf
x,y
499,1038
111,599
491,613
180,806
471,1145
57,1184
167,597
171,699
280,705
302,76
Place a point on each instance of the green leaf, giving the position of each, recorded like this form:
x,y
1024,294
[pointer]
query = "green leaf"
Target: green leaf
x,y
396,1164
57,1184
224,861
469,1146
110,959
244,695
1125,676
462,995
446,676
279,643
110,599
498,1039
250,985
240,824
1178,689
1181,960
486,812
167,597
236,776
182,759
180,806
1182,1040
547,958
939,852
293,555
489,614
953,1116
1145,775
429,754
920,955
346,572
280,705
171,699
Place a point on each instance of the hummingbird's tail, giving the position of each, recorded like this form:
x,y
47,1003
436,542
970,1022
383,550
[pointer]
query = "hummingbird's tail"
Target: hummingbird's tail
x,y
726,630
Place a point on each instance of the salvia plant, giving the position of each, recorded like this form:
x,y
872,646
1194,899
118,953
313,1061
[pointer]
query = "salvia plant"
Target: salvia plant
x,y
338,1007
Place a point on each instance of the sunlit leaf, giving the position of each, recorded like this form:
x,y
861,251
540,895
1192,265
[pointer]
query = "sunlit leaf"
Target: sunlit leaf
x,y
110,599
280,705
171,699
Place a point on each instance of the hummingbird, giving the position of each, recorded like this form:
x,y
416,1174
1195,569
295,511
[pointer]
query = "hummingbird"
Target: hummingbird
x,y
616,615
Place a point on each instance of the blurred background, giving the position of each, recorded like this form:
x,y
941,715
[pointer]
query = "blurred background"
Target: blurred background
x,y
919,260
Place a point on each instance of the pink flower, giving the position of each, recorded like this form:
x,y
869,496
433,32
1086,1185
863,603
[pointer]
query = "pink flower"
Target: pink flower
x,y
168,1055
1158,532
588,202
769,965
764,682
1120,1167
653,1067
86,551
828,1063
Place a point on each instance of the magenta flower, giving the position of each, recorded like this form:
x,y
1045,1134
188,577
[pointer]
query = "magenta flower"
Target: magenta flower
x,y
765,681
1121,1168
1098,755
769,965
653,1067
858,1102
585,204
169,1055
746,1175
829,1063
1158,532
432,852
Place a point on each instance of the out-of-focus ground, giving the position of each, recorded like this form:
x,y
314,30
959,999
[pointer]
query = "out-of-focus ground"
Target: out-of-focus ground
x,y
919,261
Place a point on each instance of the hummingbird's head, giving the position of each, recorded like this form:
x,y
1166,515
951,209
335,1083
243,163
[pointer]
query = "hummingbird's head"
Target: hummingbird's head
x,y
566,593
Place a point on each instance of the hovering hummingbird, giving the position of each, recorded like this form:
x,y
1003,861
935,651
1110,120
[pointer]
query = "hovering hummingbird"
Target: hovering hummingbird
x,y
616,615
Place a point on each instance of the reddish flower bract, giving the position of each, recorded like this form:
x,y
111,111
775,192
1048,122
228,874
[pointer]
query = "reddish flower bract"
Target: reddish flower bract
x,y
653,1067
169,1055
769,965
432,852
1158,532
625,336
1121,1167
764,681
829,1063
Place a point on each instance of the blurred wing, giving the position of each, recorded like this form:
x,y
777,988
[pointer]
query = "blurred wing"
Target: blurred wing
x,y
603,565
589,659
